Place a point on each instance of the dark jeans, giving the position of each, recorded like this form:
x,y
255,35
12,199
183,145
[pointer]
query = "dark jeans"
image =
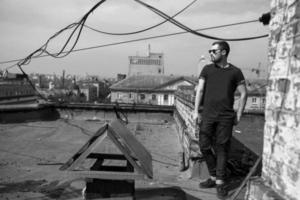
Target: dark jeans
x,y
215,133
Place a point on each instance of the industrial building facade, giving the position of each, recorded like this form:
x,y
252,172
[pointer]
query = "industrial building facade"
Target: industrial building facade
x,y
152,64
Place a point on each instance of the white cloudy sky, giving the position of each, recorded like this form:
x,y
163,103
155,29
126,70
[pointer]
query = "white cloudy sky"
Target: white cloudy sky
x,y
27,24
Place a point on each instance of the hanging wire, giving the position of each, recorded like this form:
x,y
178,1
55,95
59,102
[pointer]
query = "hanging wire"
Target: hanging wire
x,y
143,30
62,53
182,26
31,84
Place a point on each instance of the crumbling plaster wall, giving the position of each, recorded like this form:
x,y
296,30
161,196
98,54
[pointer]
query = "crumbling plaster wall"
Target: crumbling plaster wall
x,y
187,129
281,154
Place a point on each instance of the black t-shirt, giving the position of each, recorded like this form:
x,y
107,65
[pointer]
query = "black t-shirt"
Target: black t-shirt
x,y
219,89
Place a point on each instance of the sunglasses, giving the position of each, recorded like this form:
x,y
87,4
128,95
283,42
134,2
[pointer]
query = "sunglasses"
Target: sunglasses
x,y
213,50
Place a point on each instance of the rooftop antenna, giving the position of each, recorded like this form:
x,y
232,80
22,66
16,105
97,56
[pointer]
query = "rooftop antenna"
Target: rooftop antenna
x,y
149,50
258,68
63,79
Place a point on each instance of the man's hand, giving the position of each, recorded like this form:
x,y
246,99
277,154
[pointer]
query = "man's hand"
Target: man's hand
x,y
195,116
243,91
198,98
237,119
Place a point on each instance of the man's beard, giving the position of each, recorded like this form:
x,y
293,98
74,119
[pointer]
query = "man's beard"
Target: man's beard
x,y
214,60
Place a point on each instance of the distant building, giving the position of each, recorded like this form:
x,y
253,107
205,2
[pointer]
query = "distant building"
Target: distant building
x,y
148,89
102,89
153,64
51,85
256,100
121,77
90,92
14,88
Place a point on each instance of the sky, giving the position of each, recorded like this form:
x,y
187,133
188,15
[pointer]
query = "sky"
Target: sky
x,y
27,25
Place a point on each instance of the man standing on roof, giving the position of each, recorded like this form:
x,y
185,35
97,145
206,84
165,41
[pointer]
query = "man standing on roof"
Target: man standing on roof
x,y
218,82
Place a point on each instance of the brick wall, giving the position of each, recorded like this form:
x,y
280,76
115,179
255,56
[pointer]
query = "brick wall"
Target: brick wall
x,y
281,154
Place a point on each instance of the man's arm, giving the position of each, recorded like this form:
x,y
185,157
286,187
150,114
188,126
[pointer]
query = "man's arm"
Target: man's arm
x,y
199,94
243,99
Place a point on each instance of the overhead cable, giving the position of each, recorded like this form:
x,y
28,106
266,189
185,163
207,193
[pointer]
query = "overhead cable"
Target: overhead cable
x,y
182,26
143,30
139,39
62,53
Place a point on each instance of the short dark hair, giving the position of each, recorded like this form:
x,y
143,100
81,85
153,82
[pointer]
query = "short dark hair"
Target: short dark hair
x,y
223,45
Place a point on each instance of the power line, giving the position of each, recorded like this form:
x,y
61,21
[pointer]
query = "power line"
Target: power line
x,y
62,53
140,39
182,26
78,27
143,30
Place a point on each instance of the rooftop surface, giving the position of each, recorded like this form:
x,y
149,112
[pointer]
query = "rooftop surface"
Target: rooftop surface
x,y
32,152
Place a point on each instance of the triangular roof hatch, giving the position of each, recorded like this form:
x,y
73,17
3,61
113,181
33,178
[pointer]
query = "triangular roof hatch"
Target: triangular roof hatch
x,y
133,151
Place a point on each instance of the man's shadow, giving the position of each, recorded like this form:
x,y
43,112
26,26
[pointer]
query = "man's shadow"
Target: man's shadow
x,y
240,161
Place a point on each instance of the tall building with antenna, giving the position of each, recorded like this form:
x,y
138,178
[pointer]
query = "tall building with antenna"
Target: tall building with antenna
x,y
152,64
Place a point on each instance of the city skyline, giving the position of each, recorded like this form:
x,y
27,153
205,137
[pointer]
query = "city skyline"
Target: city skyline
x,y
28,25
